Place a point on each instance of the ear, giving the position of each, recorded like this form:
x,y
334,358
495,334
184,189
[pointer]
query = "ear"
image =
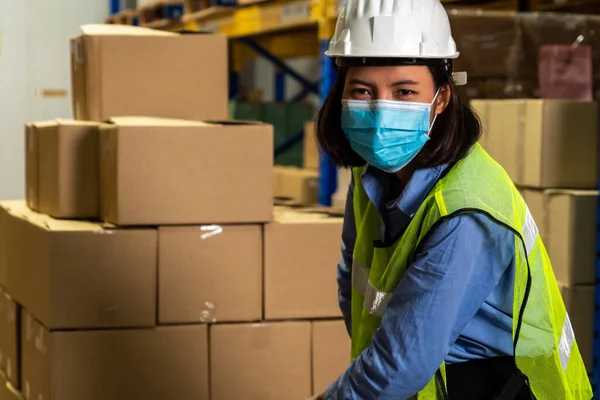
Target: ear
x,y
443,99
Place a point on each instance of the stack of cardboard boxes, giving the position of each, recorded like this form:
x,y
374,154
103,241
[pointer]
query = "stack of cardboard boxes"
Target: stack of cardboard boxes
x,y
526,55
550,150
300,186
146,262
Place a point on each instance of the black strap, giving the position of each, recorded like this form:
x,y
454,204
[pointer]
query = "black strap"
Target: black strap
x,y
513,387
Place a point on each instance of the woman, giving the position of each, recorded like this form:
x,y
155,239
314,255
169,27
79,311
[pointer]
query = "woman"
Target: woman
x,y
445,285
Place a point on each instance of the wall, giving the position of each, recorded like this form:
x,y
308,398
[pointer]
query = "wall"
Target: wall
x,y
34,55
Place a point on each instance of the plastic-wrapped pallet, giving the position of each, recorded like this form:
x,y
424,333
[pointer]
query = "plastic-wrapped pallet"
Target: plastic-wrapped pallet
x,y
516,55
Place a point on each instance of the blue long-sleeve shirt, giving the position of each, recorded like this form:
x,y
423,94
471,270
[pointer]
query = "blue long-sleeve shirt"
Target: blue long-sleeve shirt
x,y
454,303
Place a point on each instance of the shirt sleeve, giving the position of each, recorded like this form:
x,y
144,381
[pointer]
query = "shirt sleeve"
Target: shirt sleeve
x,y
438,296
344,276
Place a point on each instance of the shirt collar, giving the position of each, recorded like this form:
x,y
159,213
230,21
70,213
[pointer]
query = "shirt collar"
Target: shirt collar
x,y
420,184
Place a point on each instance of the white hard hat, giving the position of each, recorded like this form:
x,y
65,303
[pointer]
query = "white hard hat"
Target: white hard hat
x,y
411,29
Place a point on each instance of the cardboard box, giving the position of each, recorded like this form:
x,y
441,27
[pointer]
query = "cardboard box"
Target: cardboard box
x,y
505,44
62,168
80,275
566,221
311,148
330,353
6,239
537,141
579,301
7,390
170,172
194,263
31,167
302,283
489,42
14,248
150,364
120,70
10,339
296,186
260,361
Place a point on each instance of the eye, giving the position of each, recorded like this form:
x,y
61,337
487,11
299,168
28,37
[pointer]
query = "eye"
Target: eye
x,y
404,92
361,92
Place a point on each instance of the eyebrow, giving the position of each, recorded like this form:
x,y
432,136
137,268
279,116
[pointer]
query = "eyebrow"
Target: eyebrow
x,y
359,82
398,83
405,82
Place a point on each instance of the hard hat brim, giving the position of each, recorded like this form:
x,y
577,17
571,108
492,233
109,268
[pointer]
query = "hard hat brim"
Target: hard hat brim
x,y
390,61
459,78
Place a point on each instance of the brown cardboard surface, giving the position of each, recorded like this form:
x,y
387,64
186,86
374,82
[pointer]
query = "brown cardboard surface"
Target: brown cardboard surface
x,y
67,178
579,301
260,361
138,71
76,274
169,172
194,262
31,167
505,44
566,220
151,364
4,217
296,185
302,251
7,390
536,141
15,270
330,353
311,148
10,338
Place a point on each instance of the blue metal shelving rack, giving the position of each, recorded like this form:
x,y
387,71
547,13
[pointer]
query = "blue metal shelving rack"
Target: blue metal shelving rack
x,y
328,182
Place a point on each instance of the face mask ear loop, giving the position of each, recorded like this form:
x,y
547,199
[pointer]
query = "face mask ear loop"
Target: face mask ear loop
x,y
436,115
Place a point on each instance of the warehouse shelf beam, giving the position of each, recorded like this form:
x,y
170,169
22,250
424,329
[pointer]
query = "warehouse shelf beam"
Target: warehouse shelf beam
x,y
524,5
288,144
279,85
115,6
303,93
234,82
279,64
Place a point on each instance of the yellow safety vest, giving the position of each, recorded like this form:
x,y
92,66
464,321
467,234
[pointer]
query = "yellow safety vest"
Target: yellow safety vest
x,y
545,347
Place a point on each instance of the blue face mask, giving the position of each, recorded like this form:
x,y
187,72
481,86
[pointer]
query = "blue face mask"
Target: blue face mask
x,y
386,134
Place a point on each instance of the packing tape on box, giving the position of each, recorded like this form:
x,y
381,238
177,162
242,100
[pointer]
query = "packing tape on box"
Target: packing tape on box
x,y
210,231
39,340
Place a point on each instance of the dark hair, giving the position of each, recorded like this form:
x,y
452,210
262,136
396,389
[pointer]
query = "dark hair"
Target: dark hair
x,y
455,130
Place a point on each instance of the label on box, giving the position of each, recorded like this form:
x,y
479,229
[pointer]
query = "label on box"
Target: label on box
x,y
30,140
210,27
565,72
28,327
295,11
77,50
